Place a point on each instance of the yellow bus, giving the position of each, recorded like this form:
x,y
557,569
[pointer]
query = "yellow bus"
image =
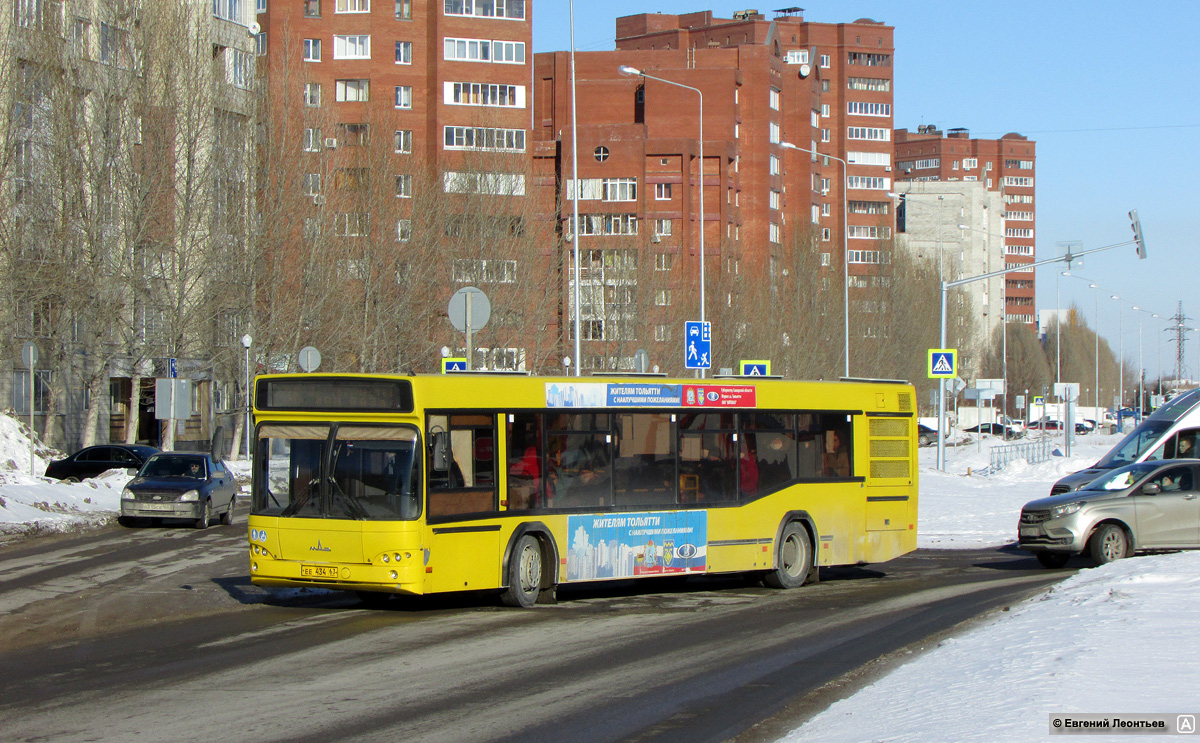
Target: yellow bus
x,y
388,484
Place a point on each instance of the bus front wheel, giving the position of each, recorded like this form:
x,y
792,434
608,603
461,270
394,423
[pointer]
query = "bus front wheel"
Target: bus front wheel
x,y
793,558
523,573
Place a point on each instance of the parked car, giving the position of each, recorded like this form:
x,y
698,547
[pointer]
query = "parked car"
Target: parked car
x,y
1045,424
1144,506
926,436
180,485
1083,428
996,429
96,460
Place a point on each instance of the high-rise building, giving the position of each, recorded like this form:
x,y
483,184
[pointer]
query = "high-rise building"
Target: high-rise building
x,y
1005,165
790,108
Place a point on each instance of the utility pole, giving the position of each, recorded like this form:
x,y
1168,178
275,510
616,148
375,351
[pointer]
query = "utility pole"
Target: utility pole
x,y
1180,329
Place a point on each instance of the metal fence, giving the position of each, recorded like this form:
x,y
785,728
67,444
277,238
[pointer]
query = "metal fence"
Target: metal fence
x,y
1031,451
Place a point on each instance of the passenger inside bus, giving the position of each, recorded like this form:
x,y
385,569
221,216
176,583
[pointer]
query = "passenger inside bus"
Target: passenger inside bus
x,y
837,457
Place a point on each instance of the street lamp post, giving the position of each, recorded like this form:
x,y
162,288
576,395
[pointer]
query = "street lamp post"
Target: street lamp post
x,y
1141,368
634,72
1096,335
845,252
246,342
1120,360
575,273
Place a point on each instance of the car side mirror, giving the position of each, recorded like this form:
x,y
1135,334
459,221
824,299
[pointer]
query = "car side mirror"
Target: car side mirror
x,y
1151,488
131,471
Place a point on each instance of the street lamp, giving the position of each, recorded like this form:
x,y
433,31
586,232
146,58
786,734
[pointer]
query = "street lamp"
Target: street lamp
x,y
635,72
575,201
246,342
845,250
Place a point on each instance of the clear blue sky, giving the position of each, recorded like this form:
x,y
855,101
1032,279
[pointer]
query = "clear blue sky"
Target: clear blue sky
x,y
1109,91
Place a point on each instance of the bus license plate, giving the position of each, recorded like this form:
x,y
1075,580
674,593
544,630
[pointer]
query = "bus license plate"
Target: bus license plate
x,y
318,571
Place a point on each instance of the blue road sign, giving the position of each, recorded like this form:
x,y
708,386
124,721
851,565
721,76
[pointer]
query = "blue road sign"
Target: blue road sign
x,y
697,345
756,368
174,369
453,365
943,363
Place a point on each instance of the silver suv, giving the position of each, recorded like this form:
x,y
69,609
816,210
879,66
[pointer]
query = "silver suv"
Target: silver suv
x,y
1143,506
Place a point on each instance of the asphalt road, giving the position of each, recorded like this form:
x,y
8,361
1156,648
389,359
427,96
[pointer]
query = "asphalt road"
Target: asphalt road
x,y
156,634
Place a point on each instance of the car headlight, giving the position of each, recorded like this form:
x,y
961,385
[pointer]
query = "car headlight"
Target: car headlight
x,y
190,495
1065,509
127,494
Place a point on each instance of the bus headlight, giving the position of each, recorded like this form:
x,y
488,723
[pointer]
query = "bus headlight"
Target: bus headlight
x,y
385,558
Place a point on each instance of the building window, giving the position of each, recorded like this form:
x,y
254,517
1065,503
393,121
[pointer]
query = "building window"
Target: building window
x,y
825,61
312,95
1019,164
774,133
774,234
511,9
260,44
404,186
403,230
1015,180
662,191
490,184
484,50
862,108
860,232
664,261
312,8
868,182
877,135
797,56
312,140
485,94
970,163
660,333
404,96
312,184
355,135
493,271
868,59
874,84
352,91
41,391
869,207
662,297
773,98
312,50
352,47
601,153
230,10
619,189
403,52
662,227
825,238
776,199
825,209
881,257
869,158
404,10
1024,232
403,141
484,139
352,224
775,165
352,6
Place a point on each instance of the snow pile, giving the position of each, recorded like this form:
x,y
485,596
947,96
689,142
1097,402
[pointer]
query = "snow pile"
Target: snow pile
x,y
1113,639
32,503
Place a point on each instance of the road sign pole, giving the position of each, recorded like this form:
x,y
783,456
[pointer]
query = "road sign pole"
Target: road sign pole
x,y
941,448
470,352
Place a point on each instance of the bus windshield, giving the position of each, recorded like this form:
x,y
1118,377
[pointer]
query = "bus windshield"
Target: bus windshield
x,y
1141,439
366,473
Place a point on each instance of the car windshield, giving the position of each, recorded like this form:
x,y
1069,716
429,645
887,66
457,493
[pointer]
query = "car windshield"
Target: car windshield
x,y
1123,477
1139,441
174,466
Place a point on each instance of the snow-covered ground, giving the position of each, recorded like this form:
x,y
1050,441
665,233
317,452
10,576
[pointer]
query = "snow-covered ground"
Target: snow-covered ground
x,y
1115,639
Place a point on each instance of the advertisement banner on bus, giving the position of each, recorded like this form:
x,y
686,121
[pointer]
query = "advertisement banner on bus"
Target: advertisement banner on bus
x,y
627,545
719,396
648,395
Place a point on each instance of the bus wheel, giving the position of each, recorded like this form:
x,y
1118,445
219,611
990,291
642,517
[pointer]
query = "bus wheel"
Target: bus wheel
x,y
793,559
524,574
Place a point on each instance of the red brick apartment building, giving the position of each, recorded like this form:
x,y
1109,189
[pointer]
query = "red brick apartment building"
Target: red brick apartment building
x,y
452,83
765,83
1005,165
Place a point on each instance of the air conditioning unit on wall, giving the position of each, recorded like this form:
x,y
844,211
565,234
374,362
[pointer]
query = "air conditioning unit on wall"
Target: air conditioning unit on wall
x,y
330,143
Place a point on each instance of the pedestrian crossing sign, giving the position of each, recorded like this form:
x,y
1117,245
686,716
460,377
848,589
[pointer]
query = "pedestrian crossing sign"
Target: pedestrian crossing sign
x,y
943,363
756,368
453,365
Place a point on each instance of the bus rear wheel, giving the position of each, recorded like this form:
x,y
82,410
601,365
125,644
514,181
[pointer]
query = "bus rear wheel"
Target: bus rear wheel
x,y
523,574
793,558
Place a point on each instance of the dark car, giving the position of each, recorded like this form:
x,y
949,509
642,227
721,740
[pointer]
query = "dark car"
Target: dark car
x,y
1045,425
180,485
926,436
96,460
996,429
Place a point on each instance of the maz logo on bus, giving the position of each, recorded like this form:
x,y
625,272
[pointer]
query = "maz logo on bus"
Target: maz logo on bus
x,y
319,548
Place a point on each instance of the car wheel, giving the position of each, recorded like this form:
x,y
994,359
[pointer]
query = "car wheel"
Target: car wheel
x,y
1053,560
793,558
1108,543
205,516
126,521
923,440
72,478
227,517
524,573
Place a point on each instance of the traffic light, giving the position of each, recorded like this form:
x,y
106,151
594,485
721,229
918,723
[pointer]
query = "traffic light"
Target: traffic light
x,y
1137,233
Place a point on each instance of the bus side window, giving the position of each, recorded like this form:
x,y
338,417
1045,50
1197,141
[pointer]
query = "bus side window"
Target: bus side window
x,y
527,488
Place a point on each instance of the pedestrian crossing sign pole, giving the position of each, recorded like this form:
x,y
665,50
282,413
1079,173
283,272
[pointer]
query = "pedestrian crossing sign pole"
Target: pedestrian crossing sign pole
x,y
943,363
